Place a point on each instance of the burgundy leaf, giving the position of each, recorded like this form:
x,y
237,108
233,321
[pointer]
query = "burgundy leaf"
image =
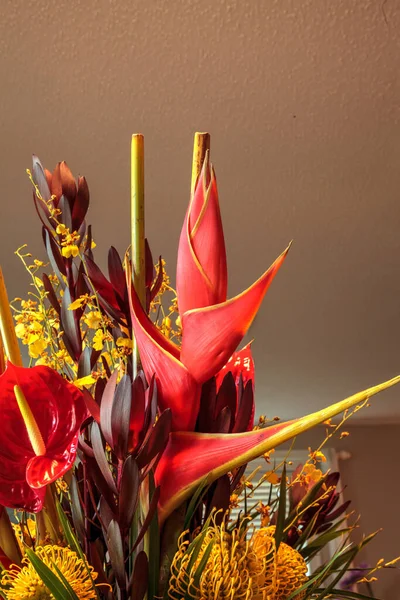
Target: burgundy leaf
x,y
157,440
128,493
120,416
106,406
100,456
81,204
116,552
140,576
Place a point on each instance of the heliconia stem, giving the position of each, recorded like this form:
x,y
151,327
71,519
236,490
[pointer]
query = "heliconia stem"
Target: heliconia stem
x,y
7,330
137,223
32,428
8,542
200,147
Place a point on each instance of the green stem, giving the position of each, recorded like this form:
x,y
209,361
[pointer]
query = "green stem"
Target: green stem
x,y
137,225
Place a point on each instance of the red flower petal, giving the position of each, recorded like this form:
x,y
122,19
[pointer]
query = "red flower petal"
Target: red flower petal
x,y
58,409
176,387
201,277
211,334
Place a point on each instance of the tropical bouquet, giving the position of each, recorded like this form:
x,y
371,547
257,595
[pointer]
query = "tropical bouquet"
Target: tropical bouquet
x,y
126,440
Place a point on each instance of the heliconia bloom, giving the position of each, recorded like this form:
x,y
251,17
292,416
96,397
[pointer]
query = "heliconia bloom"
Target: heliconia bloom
x,y
194,458
201,275
58,409
210,335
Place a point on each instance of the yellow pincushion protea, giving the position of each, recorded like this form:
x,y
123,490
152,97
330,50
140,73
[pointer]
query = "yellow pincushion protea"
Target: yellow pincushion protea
x,y
290,569
25,584
225,567
228,565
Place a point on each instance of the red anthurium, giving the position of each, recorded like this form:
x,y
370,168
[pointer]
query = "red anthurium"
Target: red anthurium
x,y
30,461
191,458
201,277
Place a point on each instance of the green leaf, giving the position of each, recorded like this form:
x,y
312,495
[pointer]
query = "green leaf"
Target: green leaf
x,y
195,501
50,580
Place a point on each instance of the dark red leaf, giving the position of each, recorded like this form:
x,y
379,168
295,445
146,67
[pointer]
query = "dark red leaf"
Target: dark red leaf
x,y
157,439
120,416
100,456
117,274
68,184
116,552
106,406
128,493
81,204
140,576
149,275
245,415
51,295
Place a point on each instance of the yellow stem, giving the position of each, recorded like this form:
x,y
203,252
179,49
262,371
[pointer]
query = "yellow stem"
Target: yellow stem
x,y
200,147
7,329
32,428
8,541
137,227
137,215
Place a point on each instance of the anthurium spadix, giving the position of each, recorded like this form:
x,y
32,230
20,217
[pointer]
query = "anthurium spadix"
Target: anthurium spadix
x,y
210,335
193,458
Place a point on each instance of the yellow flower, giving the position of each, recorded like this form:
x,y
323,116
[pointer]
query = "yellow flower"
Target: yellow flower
x,y
79,302
124,343
62,229
271,477
231,570
70,250
98,340
236,567
84,381
93,319
25,584
317,455
37,347
311,474
25,533
290,570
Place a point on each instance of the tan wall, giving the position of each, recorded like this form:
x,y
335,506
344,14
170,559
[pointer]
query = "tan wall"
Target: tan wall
x,y
372,477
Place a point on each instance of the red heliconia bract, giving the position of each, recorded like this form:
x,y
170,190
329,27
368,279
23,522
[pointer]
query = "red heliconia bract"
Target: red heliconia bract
x,y
201,274
212,327
59,409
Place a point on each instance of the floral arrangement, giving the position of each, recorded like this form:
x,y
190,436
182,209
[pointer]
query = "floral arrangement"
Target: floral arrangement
x,y
125,441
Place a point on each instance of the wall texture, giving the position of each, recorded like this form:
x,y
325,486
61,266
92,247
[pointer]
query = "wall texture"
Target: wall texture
x,y
302,101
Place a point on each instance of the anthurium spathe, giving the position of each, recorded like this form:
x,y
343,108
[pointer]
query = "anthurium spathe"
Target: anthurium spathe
x,y
192,458
29,461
